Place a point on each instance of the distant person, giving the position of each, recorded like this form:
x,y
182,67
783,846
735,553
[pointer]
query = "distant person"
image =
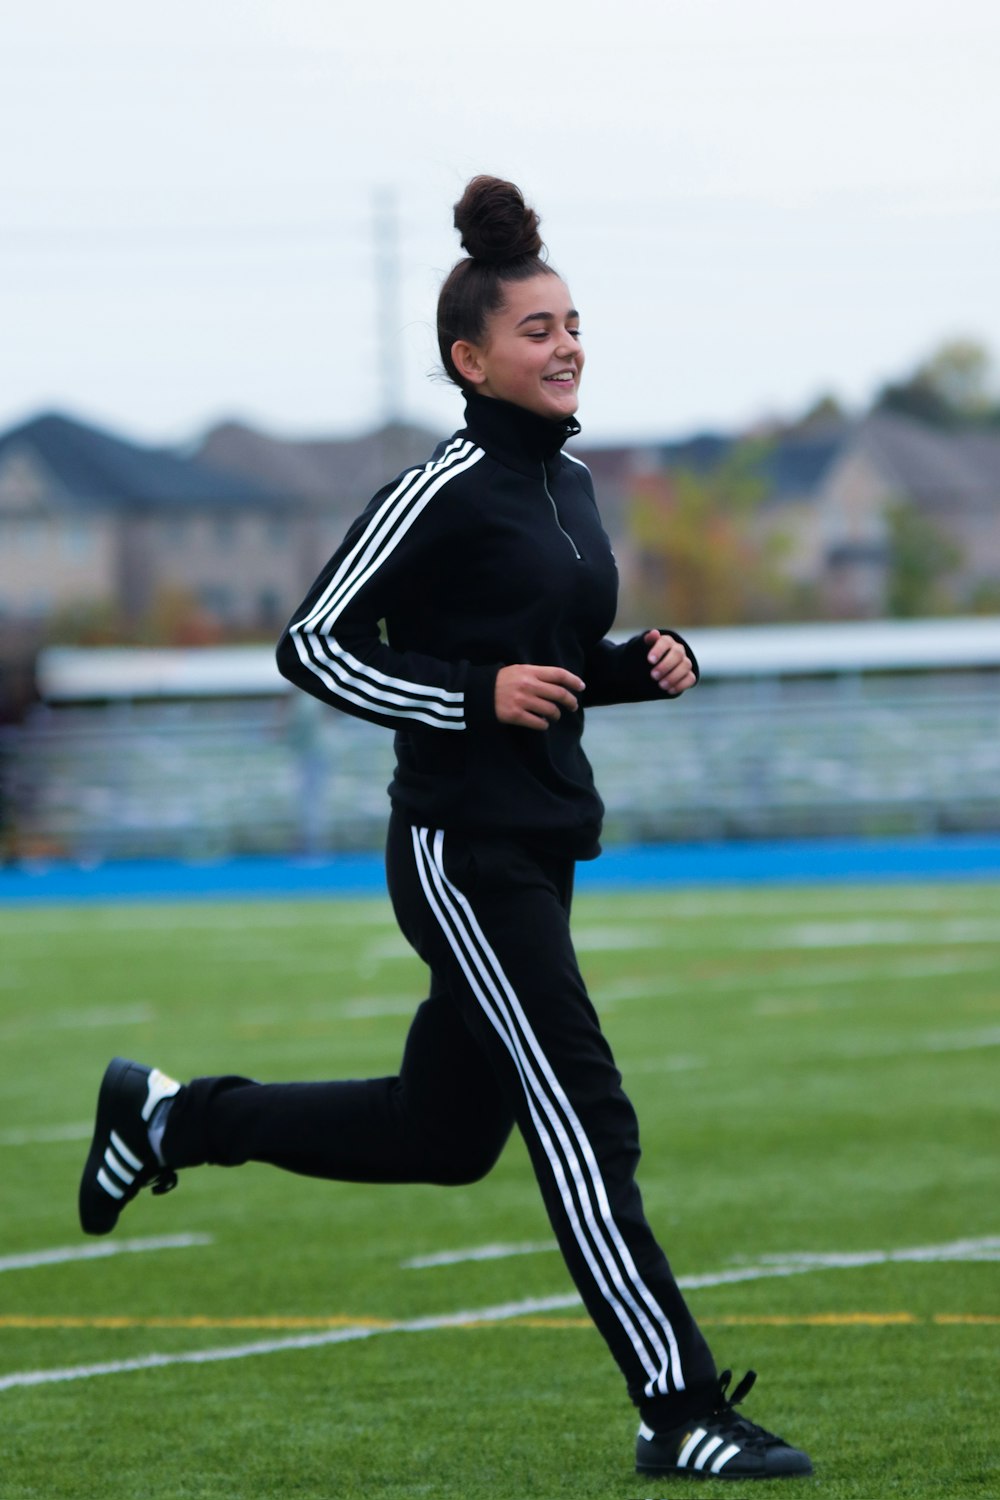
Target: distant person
x,y
497,588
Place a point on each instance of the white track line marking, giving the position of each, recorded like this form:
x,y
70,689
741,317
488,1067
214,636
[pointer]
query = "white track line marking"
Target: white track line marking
x,y
985,1249
102,1251
299,1341
45,1135
477,1252
78,1020
863,934
794,1264
933,1042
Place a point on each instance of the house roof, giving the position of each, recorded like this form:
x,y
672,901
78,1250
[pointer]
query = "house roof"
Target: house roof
x,y
332,472
95,468
935,466
792,465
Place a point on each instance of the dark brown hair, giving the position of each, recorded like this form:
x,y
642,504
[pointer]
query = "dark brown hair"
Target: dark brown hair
x,y
500,233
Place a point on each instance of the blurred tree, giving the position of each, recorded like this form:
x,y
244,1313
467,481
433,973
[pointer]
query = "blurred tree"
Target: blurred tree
x,y
90,622
700,559
825,411
177,618
953,386
920,559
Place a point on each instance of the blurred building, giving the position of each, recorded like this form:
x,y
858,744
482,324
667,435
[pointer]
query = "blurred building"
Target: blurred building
x,y
89,519
835,494
240,524
830,491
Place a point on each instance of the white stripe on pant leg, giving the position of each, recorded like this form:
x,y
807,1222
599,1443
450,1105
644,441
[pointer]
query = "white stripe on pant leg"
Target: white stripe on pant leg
x,y
524,1070
635,1292
631,1314
588,1187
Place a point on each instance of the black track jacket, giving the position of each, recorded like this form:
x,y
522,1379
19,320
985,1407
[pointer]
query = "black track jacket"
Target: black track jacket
x,y
489,555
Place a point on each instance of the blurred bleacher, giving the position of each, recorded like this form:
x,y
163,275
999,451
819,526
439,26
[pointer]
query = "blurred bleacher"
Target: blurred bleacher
x,y
855,729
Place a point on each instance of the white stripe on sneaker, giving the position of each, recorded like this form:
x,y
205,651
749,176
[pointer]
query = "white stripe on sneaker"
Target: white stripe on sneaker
x,y
706,1451
109,1186
698,1436
724,1457
119,1169
126,1155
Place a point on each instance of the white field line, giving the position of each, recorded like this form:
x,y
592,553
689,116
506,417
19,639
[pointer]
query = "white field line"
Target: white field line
x,y
350,1007
832,933
822,901
793,1264
804,976
608,939
238,915
299,1341
77,1020
933,1042
44,1135
32,1259
368,1010
477,1252
987,1249
875,932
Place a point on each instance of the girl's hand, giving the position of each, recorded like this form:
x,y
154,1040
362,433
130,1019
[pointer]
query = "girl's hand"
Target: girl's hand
x,y
670,666
534,697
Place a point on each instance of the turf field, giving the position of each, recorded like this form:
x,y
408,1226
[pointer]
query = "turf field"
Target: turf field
x,y
816,1074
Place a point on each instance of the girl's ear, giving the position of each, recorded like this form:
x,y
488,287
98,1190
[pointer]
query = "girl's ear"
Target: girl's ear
x,y
467,362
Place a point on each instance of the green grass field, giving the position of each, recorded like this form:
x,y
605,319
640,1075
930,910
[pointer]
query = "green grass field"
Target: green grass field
x,y
816,1075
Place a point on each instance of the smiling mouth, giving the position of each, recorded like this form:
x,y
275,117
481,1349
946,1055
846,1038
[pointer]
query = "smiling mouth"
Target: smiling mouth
x,y
566,377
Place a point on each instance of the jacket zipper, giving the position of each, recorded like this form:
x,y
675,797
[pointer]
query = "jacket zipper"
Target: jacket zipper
x,y
576,550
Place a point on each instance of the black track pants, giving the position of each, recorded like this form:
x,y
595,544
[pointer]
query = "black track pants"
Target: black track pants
x,y
508,1035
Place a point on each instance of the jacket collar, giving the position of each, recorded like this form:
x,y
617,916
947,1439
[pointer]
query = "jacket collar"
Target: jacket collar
x,y
520,439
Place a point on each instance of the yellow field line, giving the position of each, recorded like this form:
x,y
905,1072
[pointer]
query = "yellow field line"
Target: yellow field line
x,y
749,1320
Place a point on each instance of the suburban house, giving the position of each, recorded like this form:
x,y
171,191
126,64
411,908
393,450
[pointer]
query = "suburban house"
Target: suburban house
x,y
90,519
831,489
330,479
239,524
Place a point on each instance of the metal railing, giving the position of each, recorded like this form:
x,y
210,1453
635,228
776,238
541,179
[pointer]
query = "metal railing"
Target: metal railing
x,y
854,754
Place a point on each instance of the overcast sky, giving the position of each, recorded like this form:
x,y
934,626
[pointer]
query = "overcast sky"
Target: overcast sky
x,y
753,201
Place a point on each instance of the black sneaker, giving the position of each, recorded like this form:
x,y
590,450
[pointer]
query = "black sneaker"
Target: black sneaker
x,y
121,1160
719,1445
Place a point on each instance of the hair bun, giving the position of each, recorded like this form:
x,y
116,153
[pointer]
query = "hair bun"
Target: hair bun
x,y
495,223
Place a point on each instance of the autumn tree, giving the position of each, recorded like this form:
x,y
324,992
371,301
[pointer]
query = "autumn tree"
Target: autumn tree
x,y
700,558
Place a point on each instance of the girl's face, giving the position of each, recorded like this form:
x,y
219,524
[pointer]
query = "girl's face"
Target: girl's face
x,y
531,353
